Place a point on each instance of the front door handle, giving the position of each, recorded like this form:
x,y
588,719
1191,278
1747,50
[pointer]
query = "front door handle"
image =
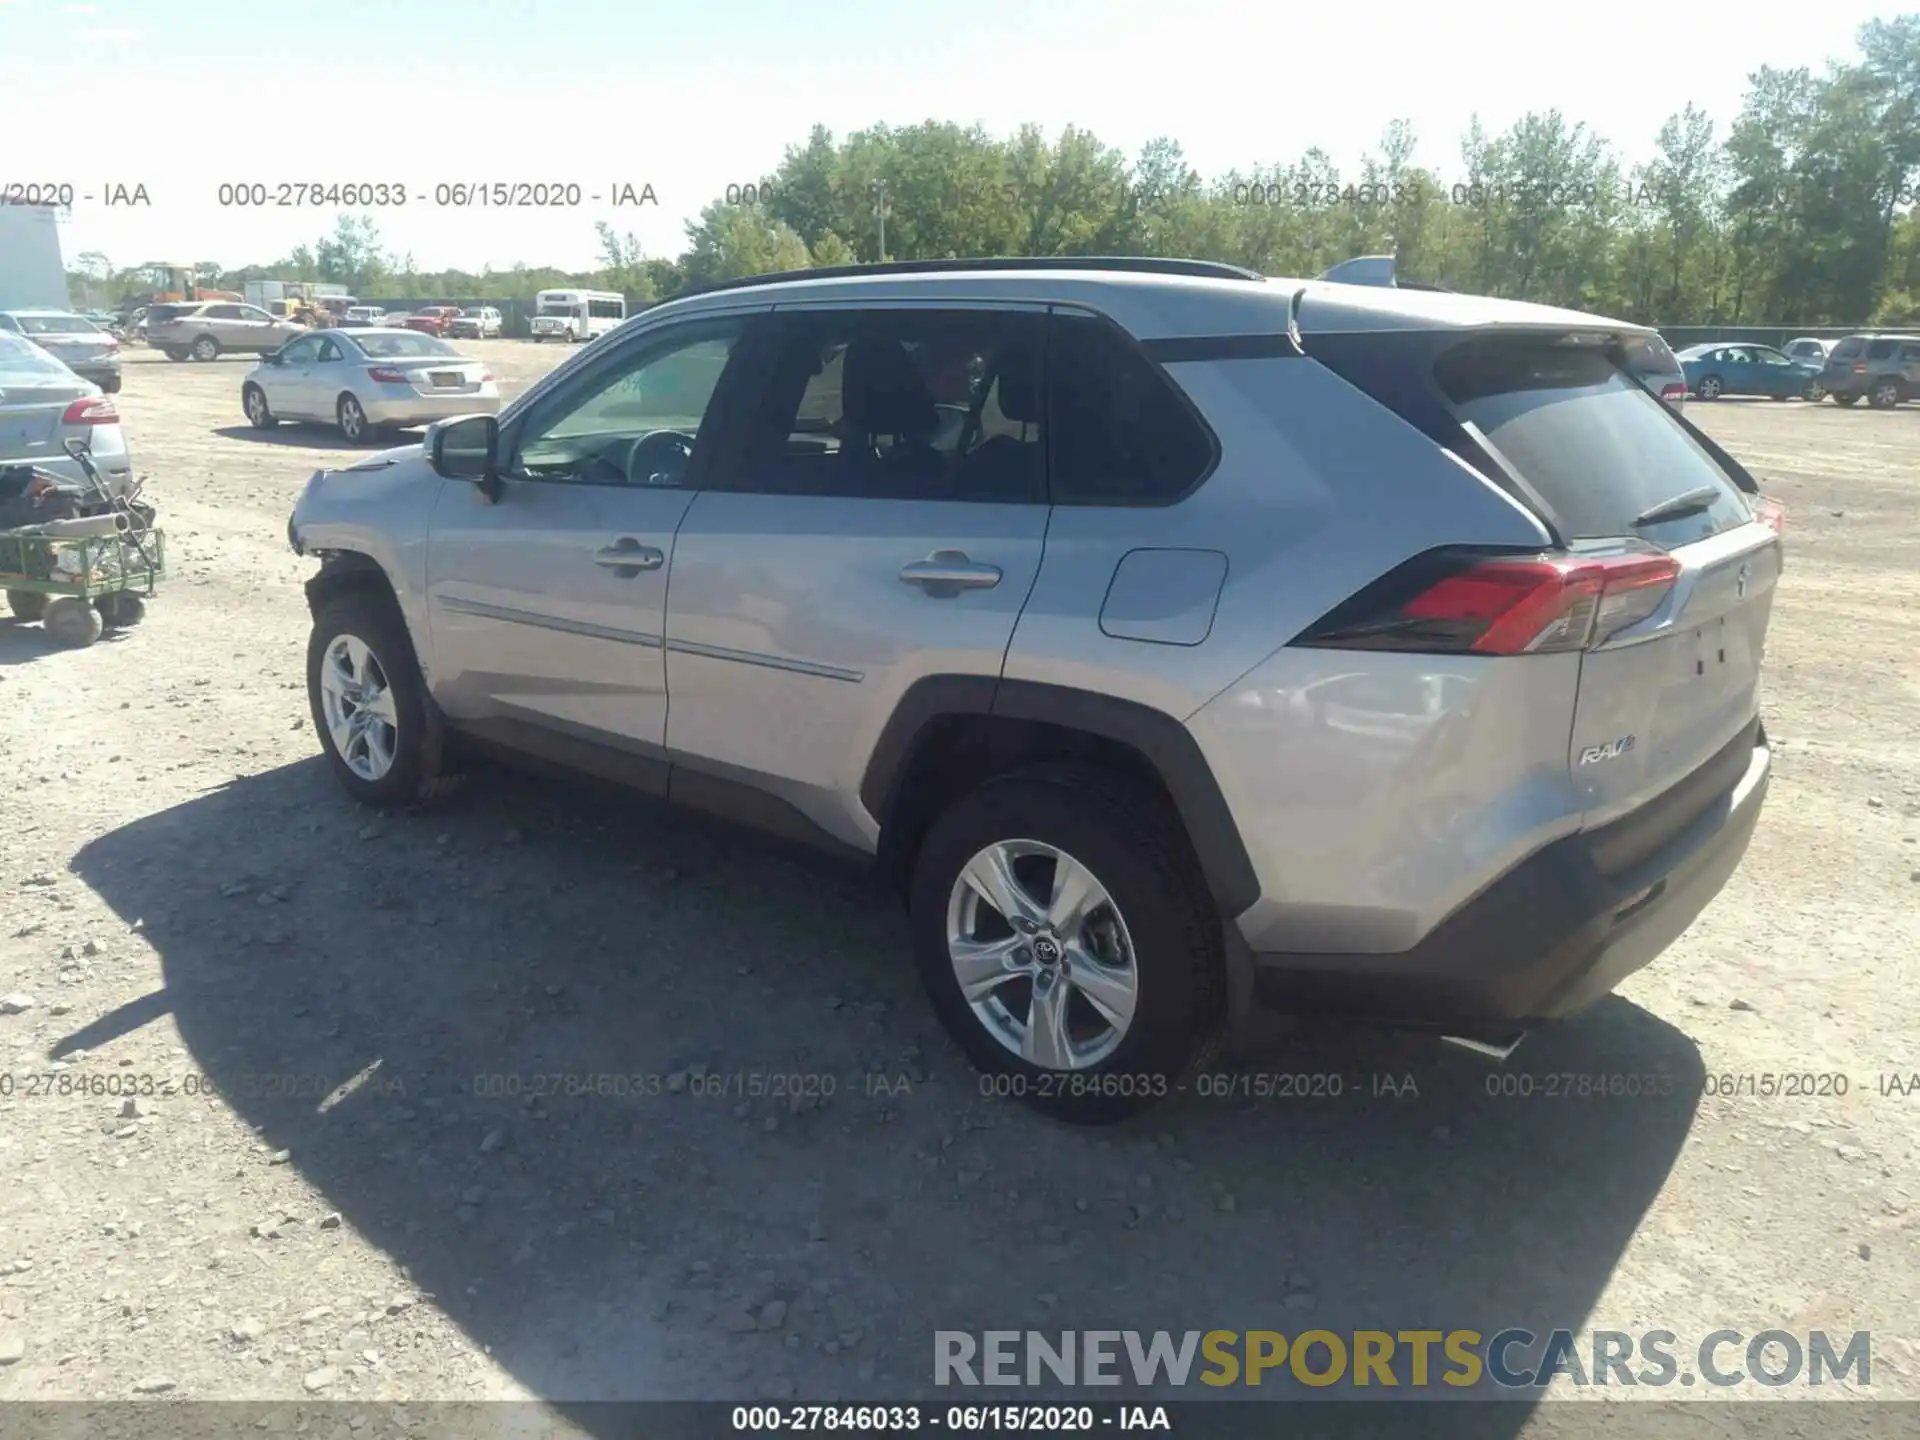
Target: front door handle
x,y
948,572
629,556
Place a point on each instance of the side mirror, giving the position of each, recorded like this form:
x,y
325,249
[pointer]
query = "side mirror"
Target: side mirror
x,y
466,449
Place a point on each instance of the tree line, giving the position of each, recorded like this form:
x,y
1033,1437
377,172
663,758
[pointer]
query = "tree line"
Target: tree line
x,y
1800,213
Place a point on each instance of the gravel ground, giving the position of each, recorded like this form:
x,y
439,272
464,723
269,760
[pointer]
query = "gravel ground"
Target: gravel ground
x,y
333,1181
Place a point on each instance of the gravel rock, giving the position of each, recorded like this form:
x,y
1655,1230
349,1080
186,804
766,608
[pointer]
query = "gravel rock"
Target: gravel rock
x,y
152,1385
18,1003
773,1314
318,1380
13,1346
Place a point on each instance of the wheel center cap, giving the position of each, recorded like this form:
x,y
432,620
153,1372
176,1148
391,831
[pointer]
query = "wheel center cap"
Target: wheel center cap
x,y
1046,951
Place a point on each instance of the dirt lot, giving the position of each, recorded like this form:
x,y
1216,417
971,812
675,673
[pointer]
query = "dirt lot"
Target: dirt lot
x,y
328,1197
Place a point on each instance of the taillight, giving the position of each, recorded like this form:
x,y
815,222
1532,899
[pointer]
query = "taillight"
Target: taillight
x,y
387,375
1771,513
1859,367
1509,605
486,376
1675,391
100,410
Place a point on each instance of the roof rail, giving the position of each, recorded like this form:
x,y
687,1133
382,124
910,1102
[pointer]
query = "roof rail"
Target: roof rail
x,y
1137,264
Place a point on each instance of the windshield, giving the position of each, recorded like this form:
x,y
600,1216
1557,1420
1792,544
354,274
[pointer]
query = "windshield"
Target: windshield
x,y
401,347
56,325
23,363
560,307
473,314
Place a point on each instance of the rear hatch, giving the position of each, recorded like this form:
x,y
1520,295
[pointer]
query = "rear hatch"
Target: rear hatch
x,y
1842,362
1661,696
1667,565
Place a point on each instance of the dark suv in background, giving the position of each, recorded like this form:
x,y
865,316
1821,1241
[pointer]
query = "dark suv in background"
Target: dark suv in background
x,y
1884,368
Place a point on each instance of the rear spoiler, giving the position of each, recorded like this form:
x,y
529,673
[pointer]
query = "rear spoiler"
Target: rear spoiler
x,y
1378,270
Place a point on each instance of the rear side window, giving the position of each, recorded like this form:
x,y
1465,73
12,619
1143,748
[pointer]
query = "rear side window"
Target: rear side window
x,y
1847,348
1121,433
1909,353
1880,350
1592,444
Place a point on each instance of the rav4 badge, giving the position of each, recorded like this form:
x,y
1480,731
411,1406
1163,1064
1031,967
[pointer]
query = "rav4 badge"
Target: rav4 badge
x,y
1612,750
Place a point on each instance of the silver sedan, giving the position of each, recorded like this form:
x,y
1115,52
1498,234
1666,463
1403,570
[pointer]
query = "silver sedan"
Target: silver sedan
x,y
366,381
43,405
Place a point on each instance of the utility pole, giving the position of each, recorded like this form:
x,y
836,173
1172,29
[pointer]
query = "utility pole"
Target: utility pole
x,y
881,211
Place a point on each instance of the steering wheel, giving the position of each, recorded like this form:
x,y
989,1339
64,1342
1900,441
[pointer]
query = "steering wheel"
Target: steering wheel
x,y
659,458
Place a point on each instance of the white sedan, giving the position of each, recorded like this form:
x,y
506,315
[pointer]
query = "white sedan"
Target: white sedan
x,y
366,381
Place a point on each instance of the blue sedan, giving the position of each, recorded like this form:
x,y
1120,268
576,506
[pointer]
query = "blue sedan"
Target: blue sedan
x,y
1716,370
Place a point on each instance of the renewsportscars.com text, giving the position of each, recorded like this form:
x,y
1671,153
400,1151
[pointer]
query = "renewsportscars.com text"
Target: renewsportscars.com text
x,y
1512,1359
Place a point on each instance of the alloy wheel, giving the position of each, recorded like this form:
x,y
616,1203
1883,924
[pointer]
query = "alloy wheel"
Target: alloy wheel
x,y
1042,955
358,704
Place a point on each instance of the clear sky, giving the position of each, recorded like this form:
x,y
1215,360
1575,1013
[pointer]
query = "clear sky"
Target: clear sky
x,y
182,96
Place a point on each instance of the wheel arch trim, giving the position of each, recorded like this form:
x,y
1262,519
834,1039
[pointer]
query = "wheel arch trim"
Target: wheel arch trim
x,y
1166,744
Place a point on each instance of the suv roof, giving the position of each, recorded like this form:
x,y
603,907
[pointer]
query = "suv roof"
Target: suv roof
x,y
1216,300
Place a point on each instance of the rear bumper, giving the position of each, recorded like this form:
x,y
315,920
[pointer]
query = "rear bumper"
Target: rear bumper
x,y
1555,934
424,409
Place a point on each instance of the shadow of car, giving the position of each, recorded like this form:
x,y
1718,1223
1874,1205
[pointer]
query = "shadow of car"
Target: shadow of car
x,y
566,1005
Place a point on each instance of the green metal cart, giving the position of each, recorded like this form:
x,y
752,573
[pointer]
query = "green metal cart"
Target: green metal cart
x,y
78,586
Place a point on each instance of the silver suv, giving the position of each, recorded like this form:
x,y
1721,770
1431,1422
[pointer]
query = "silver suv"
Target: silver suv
x,y
1177,641
211,328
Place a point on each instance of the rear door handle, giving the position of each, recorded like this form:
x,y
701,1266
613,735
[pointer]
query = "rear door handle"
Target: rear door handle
x,y
947,572
629,554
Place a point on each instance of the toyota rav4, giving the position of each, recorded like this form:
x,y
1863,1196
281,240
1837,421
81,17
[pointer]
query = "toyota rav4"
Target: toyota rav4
x,y
1177,641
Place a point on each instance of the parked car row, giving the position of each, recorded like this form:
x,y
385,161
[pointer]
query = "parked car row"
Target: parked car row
x,y
1882,369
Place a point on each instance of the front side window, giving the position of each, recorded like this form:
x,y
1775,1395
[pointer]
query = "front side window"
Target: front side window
x,y
900,405
329,351
301,352
635,419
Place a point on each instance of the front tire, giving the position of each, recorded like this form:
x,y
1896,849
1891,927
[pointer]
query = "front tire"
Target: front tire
x,y
259,415
72,622
1105,988
382,734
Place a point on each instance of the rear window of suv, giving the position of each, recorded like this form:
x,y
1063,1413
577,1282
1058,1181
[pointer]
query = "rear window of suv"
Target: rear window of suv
x,y
1589,441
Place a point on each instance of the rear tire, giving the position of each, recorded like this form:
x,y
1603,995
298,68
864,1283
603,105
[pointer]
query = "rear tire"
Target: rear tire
x,y
1815,392
72,622
174,352
206,348
1886,395
28,605
352,418
112,387
1156,914
415,737
1709,388
120,611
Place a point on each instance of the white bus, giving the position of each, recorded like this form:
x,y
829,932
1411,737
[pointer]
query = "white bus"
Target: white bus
x,y
576,314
